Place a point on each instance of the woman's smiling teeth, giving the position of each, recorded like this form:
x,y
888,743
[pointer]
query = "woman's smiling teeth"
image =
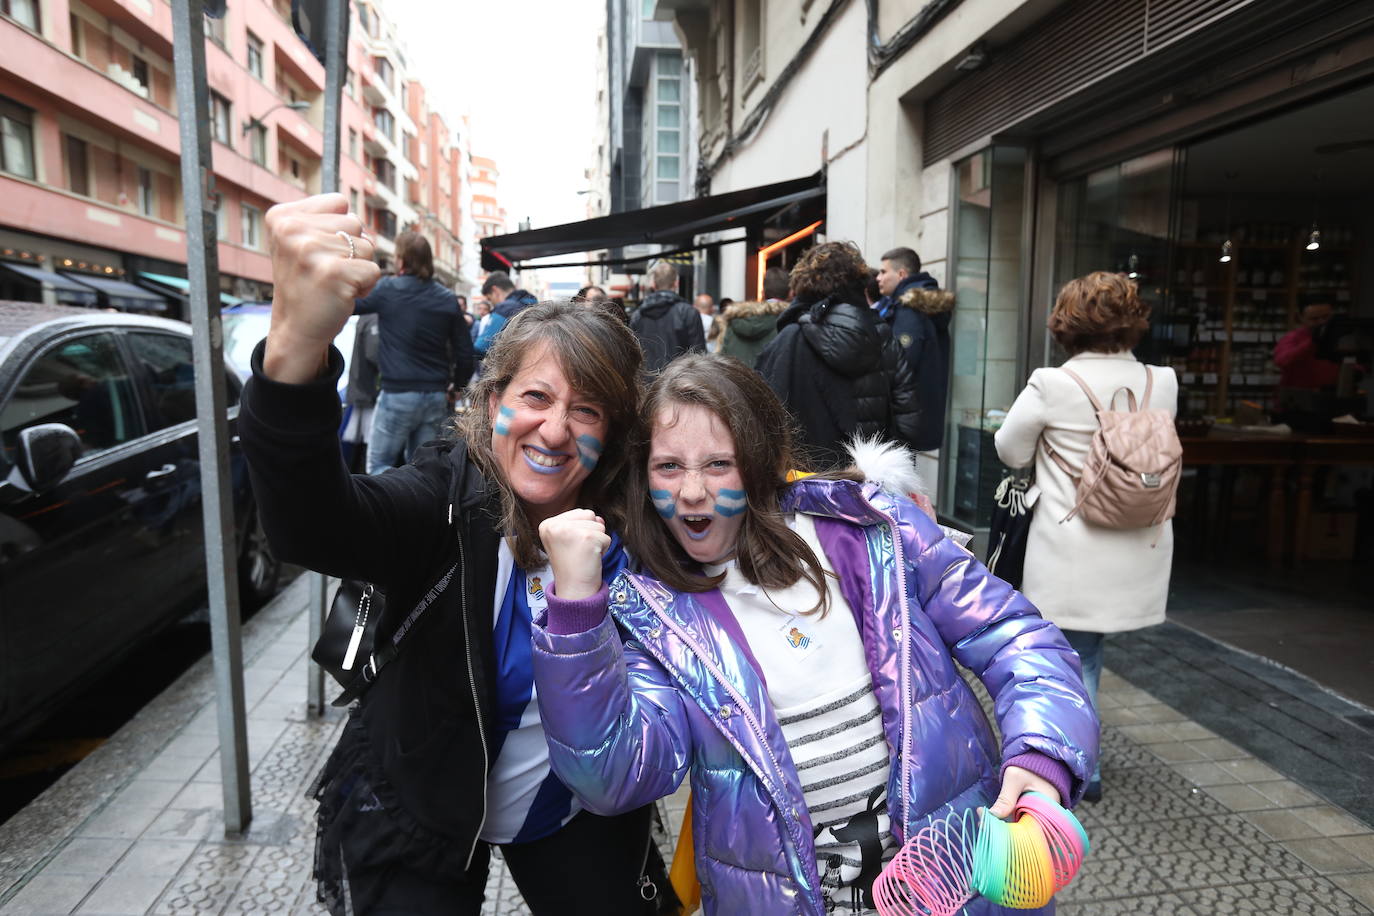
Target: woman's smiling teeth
x,y
545,462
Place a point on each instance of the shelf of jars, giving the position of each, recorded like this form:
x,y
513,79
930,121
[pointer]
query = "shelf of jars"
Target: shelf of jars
x,y
1227,316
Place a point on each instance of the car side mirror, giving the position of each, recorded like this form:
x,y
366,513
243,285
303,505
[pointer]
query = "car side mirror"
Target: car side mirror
x,y
47,452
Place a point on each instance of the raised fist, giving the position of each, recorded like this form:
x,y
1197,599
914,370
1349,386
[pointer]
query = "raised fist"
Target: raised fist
x,y
574,541
321,262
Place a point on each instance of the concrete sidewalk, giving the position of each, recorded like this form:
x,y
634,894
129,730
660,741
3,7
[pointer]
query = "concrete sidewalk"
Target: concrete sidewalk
x,y
1191,822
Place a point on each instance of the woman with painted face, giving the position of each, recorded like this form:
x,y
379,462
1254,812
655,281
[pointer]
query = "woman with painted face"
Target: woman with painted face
x,y
792,648
445,754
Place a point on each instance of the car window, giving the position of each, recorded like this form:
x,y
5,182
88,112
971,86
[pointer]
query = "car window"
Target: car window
x,y
81,382
167,367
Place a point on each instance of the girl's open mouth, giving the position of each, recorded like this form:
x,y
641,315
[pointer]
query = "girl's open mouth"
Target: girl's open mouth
x,y
697,525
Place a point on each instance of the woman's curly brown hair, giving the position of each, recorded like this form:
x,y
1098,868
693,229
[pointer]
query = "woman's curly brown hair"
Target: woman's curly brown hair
x,y
1101,313
830,269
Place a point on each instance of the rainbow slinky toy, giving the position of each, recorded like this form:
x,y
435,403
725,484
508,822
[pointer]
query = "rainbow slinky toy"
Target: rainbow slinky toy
x,y
1019,864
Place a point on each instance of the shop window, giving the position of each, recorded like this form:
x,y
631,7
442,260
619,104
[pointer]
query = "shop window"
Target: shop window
x,y
257,144
987,276
250,226
16,139
147,202
24,12
78,167
254,52
221,119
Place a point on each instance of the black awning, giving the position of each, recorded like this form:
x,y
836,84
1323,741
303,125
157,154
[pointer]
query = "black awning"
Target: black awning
x,y
65,291
669,224
122,295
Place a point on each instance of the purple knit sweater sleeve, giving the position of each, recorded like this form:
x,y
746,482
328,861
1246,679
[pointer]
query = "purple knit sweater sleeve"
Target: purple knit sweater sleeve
x,y
568,617
1041,765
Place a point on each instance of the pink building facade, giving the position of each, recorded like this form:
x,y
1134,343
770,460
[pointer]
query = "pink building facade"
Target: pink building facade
x,y
89,168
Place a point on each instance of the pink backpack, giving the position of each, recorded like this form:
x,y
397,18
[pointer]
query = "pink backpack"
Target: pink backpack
x,y
1130,477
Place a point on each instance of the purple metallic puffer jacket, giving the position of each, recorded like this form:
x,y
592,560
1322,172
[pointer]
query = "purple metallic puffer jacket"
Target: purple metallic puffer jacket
x,y
627,720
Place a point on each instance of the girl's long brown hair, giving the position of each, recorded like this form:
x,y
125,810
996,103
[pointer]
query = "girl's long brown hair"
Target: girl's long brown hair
x,y
770,554
601,359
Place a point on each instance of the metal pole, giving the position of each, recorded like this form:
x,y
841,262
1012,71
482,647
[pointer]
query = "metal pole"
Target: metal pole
x,y
335,64
207,340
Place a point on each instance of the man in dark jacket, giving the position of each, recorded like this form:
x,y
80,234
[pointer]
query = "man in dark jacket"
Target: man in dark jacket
x,y
919,313
424,347
666,325
835,364
510,301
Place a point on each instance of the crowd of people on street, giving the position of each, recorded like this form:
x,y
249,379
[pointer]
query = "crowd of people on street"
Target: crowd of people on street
x,y
687,544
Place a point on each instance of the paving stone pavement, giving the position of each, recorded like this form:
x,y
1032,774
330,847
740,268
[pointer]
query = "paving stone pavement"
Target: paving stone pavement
x,y
1190,824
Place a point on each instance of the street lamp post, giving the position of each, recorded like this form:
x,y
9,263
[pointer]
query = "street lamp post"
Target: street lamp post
x,y
262,118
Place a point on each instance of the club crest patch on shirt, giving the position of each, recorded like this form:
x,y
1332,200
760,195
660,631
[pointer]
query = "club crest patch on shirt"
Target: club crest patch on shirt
x,y
536,588
797,639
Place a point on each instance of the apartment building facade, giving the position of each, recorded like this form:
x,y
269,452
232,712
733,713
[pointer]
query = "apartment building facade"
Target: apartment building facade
x,y
89,176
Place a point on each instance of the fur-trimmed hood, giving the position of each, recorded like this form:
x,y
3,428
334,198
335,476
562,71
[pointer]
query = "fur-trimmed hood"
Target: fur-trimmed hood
x,y
927,301
739,310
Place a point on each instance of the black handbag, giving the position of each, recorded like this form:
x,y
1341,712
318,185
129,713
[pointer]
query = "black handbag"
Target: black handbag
x,y
1014,503
348,648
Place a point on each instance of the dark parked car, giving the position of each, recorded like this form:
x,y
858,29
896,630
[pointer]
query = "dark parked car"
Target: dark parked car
x,y
100,511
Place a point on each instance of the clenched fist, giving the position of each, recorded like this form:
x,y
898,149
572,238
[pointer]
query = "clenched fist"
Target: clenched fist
x,y
321,262
574,541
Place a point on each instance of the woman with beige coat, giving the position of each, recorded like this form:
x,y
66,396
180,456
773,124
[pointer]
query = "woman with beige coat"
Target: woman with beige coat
x,y
1089,580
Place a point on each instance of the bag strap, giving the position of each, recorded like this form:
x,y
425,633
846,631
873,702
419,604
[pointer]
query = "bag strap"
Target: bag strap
x,y
1149,386
383,655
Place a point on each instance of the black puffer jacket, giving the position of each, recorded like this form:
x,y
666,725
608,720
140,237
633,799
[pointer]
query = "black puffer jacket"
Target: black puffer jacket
x,y
839,371
666,327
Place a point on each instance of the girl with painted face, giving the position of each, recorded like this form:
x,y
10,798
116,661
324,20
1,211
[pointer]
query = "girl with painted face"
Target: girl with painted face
x,y
445,754
792,649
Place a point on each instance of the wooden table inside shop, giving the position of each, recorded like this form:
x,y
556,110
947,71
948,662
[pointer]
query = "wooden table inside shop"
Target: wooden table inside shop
x,y
1303,453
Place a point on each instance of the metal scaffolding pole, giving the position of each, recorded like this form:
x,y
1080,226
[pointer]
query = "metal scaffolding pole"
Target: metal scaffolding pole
x,y
335,65
207,342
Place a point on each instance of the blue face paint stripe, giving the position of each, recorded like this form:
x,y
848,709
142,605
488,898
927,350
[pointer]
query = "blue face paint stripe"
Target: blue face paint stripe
x,y
503,418
663,503
730,503
589,449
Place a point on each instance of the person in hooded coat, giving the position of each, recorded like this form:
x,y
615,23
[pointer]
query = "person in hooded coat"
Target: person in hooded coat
x,y
834,363
919,313
666,324
749,326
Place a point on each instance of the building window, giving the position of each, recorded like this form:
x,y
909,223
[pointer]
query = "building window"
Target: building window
x,y
221,119
385,123
78,167
352,143
145,191
751,35
385,223
221,215
78,45
406,150
353,200
385,73
140,71
385,172
257,144
667,129
254,55
251,226
295,168
24,12
214,30
351,84
16,139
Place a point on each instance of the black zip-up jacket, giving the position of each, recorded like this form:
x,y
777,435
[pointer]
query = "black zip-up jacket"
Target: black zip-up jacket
x,y
425,343
667,326
837,368
428,717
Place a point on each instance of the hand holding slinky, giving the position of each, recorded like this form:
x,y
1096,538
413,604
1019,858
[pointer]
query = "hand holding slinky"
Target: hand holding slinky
x,y
321,262
574,542
1016,782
